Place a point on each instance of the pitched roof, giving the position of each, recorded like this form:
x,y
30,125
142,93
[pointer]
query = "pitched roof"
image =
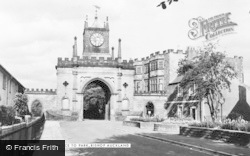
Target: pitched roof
x,y
176,80
3,69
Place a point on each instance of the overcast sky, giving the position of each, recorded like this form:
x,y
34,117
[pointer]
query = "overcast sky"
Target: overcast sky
x,y
34,33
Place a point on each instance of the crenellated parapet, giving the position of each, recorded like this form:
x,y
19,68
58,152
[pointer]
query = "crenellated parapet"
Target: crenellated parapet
x,y
160,53
93,62
40,91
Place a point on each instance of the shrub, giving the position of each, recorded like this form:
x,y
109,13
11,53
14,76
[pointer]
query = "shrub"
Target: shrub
x,y
207,124
7,115
36,108
20,104
239,124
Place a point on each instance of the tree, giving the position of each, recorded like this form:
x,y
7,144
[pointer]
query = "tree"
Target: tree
x,y
37,108
94,100
20,104
211,73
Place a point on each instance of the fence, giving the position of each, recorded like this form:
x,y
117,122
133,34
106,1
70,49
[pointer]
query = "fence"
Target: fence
x,y
23,131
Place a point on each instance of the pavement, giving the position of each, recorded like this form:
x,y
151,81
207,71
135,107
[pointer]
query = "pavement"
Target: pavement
x,y
143,142
52,131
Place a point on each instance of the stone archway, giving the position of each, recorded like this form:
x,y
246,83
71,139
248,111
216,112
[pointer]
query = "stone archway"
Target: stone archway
x,y
96,100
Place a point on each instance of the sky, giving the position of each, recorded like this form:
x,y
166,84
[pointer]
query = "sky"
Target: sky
x,y
34,33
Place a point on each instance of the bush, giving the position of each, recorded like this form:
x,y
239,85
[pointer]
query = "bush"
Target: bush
x,y
7,115
238,125
20,104
178,120
36,108
207,124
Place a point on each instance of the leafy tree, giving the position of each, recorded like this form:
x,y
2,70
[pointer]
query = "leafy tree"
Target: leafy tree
x,y
94,99
20,104
211,73
36,108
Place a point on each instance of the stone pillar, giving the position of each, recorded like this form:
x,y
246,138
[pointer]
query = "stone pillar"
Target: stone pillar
x,y
74,100
80,112
119,77
119,89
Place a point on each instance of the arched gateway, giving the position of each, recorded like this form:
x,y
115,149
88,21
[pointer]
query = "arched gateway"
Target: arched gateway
x,y
96,100
92,83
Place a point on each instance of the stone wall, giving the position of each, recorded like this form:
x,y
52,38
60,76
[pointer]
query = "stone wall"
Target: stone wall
x,y
23,131
45,96
230,136
140,101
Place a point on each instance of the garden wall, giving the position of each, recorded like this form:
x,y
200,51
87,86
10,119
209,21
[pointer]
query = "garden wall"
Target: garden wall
x,y
140,101
229,136
169,128
23,131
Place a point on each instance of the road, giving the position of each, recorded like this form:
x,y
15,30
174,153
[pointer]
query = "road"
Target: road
x,y
93,131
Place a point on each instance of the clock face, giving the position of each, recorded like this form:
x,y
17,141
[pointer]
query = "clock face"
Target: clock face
x,y
96,39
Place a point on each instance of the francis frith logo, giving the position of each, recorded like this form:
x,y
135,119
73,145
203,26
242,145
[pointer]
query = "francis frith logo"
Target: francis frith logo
x,y
212,27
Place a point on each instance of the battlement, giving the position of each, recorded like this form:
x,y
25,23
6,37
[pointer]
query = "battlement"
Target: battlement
x,y
93,62
40,91
158,53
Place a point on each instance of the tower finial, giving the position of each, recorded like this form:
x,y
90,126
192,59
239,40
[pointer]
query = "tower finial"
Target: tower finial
x,y
119,51
113,53
107,22
75,47
96,14
86,22
96,8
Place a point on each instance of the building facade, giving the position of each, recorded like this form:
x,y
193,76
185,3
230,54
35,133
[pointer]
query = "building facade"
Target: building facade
x,y
148,85
9,86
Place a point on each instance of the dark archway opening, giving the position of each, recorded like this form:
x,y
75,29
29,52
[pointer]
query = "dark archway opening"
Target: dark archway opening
x,y
96,101
150,109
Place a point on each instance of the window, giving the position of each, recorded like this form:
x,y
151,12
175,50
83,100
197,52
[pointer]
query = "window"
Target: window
x,y
146,68
191,90
138,70
146,85
153,84
179,91
193,112
153,65
137,86
180,111
160,66
4,81
160,84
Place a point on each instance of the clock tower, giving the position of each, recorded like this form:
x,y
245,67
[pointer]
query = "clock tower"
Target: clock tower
x,y
96,39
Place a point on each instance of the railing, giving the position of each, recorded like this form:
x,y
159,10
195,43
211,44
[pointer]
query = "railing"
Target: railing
x,y
23,131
